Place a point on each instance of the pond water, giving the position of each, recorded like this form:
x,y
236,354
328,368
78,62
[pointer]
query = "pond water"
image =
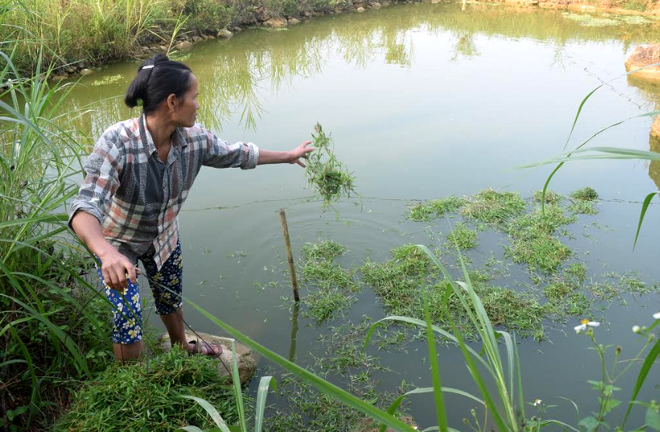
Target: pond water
x,y
423,101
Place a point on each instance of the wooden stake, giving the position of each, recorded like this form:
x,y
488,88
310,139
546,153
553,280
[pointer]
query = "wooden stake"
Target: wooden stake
x,y
289,255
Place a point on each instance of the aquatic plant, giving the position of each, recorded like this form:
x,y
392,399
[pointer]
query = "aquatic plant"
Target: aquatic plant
x,y
493,207
325,173
585,194
434,208
549,198
462,237
330,288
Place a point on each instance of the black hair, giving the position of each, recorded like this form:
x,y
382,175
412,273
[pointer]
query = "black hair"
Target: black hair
x,y
157,78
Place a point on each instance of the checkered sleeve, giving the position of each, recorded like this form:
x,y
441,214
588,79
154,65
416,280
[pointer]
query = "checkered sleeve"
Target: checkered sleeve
x,y
101,180
221,154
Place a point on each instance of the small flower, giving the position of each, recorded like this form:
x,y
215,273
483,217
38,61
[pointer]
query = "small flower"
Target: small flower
x,y
656,315
537,402
636,329
584,324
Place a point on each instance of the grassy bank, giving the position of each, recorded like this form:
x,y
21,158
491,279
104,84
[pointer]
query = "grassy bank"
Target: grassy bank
x,y
53,328
79,33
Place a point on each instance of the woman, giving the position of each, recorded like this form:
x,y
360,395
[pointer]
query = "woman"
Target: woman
x,y
137,178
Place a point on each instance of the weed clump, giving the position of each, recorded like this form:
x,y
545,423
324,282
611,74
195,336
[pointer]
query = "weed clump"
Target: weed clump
x,y
399,283
324,250
490,206
533,241
434,208
462,237
328,176
550,197
119,398
331,288
585,194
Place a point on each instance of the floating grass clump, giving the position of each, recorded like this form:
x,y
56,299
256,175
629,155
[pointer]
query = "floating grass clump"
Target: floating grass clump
x,y
324,250
539,251
126,398
401,282
331,288
579,206
434,208
533,241
462,237
565,298
585,194
587,20
550,197
327,175
583,201
490,206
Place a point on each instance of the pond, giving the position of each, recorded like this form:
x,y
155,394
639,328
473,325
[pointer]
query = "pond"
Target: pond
x,y
423,101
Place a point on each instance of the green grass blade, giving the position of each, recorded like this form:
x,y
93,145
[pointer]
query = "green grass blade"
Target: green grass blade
x,y
421,323
560,423
435,371
508,343
478,379
192,429
519,386
262,393
641,378
645,206
584,101
238,392
319,383
57,332
210,409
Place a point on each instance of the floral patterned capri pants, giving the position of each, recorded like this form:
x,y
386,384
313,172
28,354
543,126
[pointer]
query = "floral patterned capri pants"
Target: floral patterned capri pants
x,y
166,285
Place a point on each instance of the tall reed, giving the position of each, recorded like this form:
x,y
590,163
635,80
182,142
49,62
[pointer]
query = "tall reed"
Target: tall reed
x,y
50,320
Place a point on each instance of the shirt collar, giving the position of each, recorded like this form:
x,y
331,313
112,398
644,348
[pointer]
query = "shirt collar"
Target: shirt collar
x,y
178,139
147,140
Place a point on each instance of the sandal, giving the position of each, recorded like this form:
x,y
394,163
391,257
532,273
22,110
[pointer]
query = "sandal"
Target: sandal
x,y
212,350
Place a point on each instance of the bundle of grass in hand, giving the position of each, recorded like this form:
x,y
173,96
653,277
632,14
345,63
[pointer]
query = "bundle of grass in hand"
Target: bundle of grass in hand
x,y
329,177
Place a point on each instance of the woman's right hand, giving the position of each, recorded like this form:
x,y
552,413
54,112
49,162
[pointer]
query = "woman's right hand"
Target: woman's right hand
x,y
115,268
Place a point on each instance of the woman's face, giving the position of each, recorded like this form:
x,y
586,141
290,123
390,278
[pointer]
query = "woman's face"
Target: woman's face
x,y
185,111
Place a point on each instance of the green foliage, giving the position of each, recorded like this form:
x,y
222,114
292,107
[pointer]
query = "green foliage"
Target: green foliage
x,y
400,283
581,206
327,175
139,397
550,197
43,291
462,237
434,208
636,5
324,250
203,16
494,207
265,383
586,194
533,241
331,289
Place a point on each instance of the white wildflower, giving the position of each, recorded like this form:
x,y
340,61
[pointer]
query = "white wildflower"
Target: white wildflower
x,y
584,324
636,329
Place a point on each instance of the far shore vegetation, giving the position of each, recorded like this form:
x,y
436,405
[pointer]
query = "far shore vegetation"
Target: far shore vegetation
x,y
76,34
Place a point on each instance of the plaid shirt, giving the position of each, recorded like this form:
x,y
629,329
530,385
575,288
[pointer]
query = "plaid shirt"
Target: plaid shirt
x,y
136,197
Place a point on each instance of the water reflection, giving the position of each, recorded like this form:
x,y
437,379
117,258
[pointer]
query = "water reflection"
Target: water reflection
x,y
236,73
650,91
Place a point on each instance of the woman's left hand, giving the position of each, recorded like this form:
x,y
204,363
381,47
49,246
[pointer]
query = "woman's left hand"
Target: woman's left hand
x,y
301,152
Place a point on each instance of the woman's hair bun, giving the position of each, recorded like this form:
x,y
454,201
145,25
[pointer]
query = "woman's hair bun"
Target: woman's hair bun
x,y
156,79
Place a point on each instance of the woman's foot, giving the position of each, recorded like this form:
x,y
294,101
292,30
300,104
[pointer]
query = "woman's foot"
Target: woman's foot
x,y
200,347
